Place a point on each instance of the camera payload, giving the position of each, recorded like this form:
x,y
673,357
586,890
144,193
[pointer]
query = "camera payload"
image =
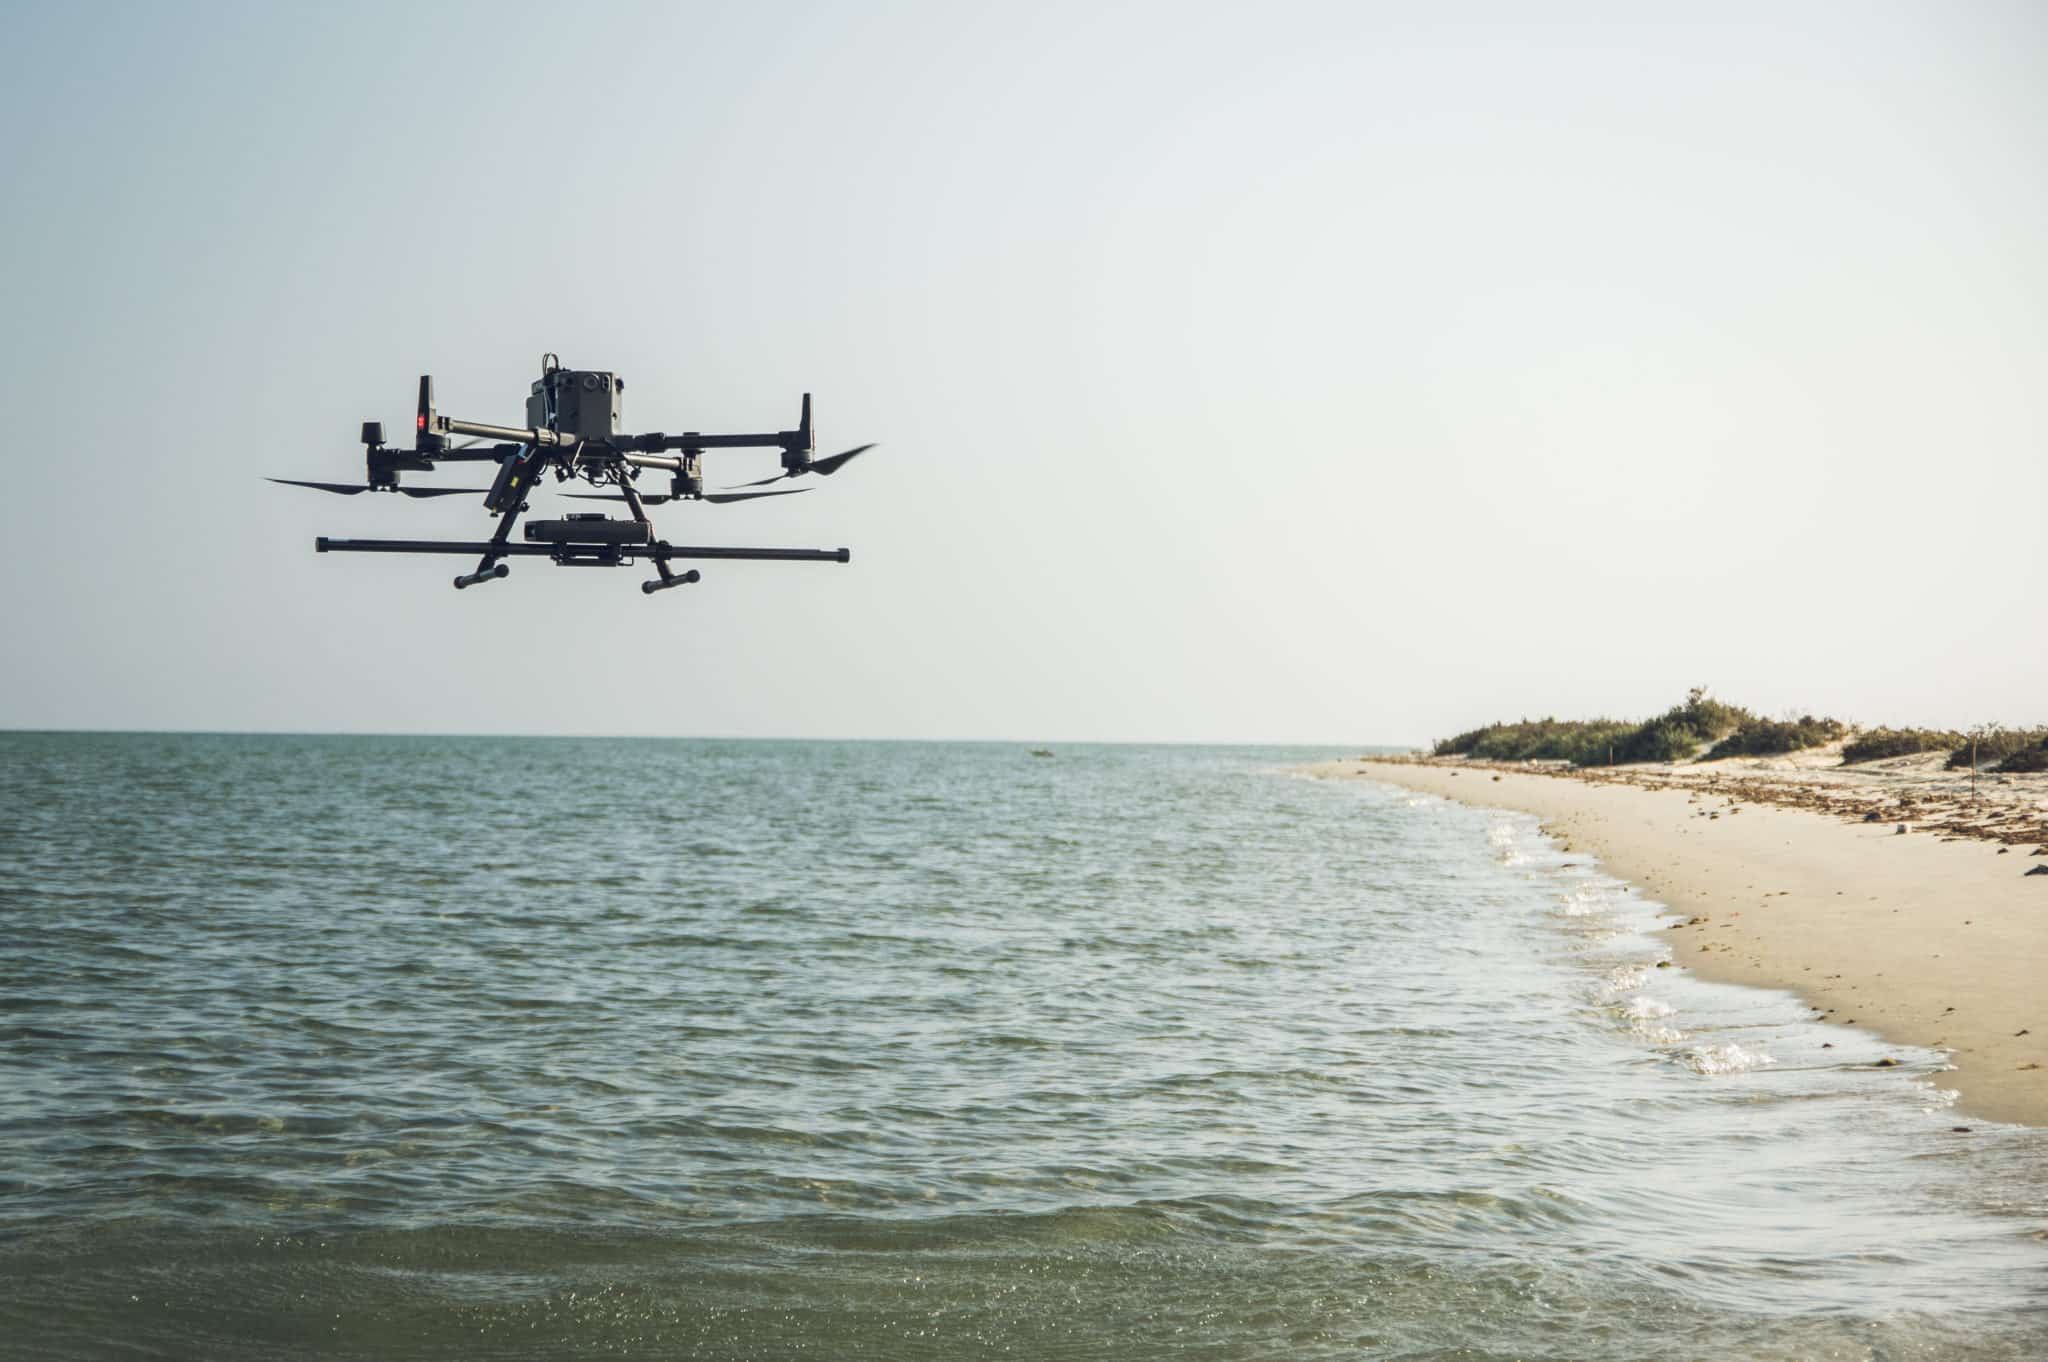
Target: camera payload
x,y
581,402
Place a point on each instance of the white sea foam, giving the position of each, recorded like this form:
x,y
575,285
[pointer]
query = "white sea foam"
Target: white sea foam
x,y
1587,900
1645,1018
1725,1059
1508,846
1624,979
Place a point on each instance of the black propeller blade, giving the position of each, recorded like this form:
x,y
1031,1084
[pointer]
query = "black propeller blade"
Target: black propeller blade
x,y
349,489
828,467
825,466
723,497
656,498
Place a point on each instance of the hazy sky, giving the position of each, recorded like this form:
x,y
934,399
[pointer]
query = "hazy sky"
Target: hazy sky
x,y
1324,372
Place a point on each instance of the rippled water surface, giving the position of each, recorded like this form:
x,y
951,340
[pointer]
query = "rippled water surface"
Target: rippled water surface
x,y
476,1048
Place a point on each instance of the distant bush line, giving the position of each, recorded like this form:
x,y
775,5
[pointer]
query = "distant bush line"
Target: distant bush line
x,y
1708,730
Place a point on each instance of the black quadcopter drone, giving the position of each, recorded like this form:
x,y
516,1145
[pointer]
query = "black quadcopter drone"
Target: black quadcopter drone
x,y
572,428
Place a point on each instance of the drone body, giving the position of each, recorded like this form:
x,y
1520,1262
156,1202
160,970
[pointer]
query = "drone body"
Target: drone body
x,y
572,431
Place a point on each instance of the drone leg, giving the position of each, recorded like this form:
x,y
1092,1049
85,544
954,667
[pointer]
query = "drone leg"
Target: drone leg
x,y
488,568
632,500
667,580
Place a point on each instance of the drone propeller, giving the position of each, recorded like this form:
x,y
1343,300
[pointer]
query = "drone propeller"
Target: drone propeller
x,y
826,467
722,497
349,489
656,498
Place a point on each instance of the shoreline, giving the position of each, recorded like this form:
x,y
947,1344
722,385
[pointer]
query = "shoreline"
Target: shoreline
x,y
1938,942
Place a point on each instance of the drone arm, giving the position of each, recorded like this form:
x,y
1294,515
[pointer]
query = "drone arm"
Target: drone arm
x,y
639,444
796,444
653,443
448,425
652,461
476,454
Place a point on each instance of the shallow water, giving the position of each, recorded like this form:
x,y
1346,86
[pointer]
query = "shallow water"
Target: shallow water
x,y
506,1047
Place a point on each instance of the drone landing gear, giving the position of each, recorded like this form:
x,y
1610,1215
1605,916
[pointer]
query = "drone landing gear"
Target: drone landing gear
x,y
661,553
576,540
668,579
487,575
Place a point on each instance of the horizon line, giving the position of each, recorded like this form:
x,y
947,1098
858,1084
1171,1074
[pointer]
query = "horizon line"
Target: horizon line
x,y
8,730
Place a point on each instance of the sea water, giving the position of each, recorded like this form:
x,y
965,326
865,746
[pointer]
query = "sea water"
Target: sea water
x,y
470,1047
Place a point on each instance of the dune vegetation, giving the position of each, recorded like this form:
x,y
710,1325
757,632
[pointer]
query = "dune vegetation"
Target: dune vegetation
x,y
1705,729
1675,735
2002,749
1879,743
1756,737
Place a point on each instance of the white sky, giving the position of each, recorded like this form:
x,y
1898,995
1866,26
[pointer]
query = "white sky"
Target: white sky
x,y
1284,372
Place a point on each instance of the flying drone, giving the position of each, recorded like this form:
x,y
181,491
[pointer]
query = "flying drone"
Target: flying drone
x,y
572,431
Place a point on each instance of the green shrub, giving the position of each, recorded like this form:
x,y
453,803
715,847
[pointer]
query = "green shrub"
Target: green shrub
x,y
1582,742
1880,743
1662,741
1674,735
1709,719
1996,745
1596,741
1766,737
2026,759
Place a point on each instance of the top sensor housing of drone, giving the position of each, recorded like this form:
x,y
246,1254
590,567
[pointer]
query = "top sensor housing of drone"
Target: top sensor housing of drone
x,y
586,402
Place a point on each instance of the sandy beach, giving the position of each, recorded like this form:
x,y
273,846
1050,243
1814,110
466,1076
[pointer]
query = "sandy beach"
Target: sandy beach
x,y
1793,873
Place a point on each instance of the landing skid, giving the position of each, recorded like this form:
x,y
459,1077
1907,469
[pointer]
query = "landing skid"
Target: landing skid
x,y
660,553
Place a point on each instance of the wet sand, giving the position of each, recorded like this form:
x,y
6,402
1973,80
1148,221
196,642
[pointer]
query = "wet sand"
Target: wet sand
x,y
1936,937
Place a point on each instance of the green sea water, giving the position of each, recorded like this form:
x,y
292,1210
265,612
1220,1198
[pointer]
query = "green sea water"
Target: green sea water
x,y
475,1048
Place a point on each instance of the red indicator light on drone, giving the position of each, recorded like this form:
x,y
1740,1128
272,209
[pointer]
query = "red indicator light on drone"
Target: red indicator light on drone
x,y
423,421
